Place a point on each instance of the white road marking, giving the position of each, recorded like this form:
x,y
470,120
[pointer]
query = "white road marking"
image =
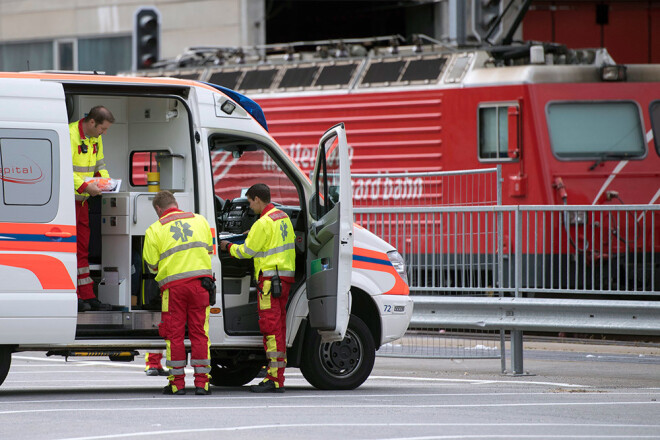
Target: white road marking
x,y
476,381
272,406
326,396
381,425
398,378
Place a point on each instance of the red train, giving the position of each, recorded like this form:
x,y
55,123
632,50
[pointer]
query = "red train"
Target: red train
x,y
567,127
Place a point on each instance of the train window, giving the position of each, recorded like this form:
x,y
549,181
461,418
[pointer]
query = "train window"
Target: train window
x,y
257,79
595,129
655,123
226,79
143,162
493,132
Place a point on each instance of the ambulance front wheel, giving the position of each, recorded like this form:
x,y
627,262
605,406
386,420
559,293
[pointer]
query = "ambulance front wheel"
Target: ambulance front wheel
x,y
342,365
5,362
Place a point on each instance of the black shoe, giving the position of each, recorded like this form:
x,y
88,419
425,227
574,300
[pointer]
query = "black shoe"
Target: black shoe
x,y
157,372
83,306
267,386
262,372
199,391
169,392
95,304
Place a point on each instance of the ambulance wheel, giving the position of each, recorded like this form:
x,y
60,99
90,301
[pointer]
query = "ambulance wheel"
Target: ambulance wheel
x,y
5,362
233,375
342,365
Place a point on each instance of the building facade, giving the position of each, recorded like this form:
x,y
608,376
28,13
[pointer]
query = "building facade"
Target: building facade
x,y
97,34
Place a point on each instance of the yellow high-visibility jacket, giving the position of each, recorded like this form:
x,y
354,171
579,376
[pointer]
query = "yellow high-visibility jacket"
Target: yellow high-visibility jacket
x,y
85,164
178,247
271,243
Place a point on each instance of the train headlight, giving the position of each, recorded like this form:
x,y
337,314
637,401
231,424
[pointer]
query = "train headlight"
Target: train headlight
x,y
399,264
613,73
577,218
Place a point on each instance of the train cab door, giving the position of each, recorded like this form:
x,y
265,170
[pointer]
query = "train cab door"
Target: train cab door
x,y
330,237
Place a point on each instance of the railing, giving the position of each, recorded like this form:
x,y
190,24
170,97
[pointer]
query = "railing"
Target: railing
x,y
521,268
394,192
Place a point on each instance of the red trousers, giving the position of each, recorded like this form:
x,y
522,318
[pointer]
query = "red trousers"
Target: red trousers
x,y
152,360
272,323
85,288
186,302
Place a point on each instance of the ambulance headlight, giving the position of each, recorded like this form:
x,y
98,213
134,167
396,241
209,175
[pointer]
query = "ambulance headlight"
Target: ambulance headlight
x,y
399,264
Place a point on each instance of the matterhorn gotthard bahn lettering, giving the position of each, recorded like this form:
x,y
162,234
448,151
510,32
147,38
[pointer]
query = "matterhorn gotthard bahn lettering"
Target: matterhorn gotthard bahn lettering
x,y
374,188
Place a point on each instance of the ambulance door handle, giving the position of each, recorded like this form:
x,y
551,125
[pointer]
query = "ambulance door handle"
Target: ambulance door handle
x,y
58,234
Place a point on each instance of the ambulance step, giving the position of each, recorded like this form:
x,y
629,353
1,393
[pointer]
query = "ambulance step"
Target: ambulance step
x,y
114,355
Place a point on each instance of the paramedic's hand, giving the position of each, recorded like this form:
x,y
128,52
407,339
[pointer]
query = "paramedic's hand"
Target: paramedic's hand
x,y
93,189
223,245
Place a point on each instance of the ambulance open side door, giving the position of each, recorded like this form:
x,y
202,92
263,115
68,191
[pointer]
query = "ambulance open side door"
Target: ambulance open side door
x,y
330,238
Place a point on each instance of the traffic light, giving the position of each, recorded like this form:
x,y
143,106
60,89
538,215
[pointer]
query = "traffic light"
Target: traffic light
x,y
146,38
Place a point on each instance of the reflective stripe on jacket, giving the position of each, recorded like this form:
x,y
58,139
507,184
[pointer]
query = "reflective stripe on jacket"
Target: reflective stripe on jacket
x,y
85,164
177,247
271,243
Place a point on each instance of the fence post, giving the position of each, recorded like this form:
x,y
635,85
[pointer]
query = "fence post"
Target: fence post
x,y
517,335
500,259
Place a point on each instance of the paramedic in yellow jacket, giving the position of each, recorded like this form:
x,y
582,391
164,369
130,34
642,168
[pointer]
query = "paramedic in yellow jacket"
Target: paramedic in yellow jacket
x,y
271,243
88,161
177,248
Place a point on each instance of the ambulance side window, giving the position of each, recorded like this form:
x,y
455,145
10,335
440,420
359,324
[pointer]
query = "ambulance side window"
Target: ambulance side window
x,y
29,175
238,166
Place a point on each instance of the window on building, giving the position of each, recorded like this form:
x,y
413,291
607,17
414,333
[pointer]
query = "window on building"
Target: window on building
x,y
600,129
493,132
93,54
18,57
83,54
65,55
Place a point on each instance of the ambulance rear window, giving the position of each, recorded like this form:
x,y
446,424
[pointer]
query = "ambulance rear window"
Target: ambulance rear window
x,y
594,129
29,181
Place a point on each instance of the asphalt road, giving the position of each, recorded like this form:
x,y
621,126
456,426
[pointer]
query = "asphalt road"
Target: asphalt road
x,y
571,391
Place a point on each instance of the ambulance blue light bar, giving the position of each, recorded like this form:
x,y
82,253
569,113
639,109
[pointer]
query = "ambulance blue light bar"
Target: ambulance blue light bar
x,y
248,105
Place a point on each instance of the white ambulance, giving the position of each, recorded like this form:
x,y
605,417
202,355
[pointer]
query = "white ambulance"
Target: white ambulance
x,y
209,144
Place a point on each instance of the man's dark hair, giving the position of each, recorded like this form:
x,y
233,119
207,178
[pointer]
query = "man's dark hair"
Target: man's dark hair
x,y
260,190
164,199
100,114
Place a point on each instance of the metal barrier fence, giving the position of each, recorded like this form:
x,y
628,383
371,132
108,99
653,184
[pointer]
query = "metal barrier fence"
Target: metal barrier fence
x,y
547,268
527,251
443,188
398,190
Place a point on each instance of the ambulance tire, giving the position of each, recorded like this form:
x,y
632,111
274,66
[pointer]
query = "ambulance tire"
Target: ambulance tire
x,y
232,376
343,365
5,362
